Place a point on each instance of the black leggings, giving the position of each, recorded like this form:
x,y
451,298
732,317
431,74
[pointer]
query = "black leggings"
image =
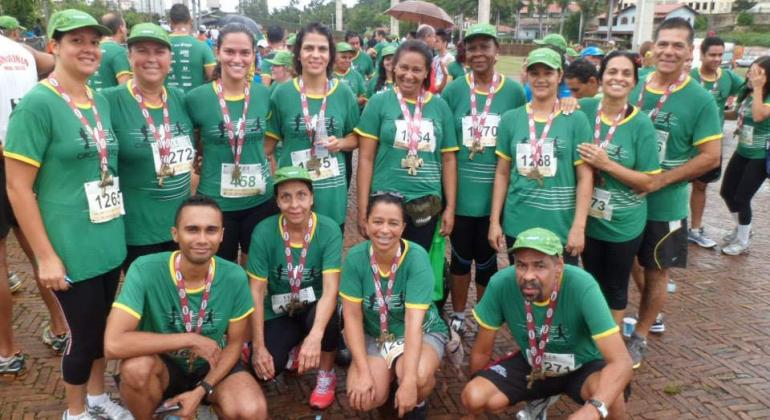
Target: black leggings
x,y
610,264
239,224
283,333
86,306
741,180
422,235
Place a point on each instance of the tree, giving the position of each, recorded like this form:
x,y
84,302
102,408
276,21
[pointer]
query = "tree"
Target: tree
x,y
701,23
542,9
588,9
745,19
517,5
366,14
563,5
23,10
741,5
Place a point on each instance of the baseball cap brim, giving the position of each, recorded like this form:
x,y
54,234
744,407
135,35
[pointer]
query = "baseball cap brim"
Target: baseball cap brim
x,y
148,38
103,30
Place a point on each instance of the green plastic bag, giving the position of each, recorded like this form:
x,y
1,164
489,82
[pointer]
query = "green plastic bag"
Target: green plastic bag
x,y
437,261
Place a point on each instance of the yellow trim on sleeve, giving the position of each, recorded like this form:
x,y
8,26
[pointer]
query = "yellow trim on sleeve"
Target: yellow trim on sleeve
x,y
609,332
22,158
272,135
249,312
210,64
578,162
482,323
450,149
503,155
708,139
256,277
653,172
351,298
128,72
421,306
365,134
331,271
126,309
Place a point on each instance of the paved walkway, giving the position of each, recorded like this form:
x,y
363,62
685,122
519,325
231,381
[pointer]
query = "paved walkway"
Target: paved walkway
x,y
712,362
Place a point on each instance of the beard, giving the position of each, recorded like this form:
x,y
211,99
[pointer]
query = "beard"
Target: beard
x,y
532,284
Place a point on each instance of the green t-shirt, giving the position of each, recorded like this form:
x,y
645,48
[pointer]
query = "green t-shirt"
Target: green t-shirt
x,y
382,121
412,288
529,205
363,64
456,70
753,139
256,184
189,58
728,84
113,65
621,217
150,295
475,178
267,261
45,133
371,85
581,316
150,208
688,119
287,125
354,81
645,71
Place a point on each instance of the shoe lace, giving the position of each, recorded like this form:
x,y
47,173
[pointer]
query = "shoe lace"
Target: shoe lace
x,y
324,382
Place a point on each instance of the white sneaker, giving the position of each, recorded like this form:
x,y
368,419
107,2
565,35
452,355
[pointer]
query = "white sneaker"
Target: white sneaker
x,y
110,410
85,416
736,248
698,236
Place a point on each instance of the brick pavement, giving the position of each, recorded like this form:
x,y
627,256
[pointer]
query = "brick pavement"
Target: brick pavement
x,y
712,362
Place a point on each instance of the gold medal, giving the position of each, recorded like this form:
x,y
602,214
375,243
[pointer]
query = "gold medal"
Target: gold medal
x,y
475,148
106,180
165,170
385,338
294,306
411,163
535,375
314,164
536,175
236,173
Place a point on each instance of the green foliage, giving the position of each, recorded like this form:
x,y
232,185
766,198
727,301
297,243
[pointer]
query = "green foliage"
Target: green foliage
x,y
745,19
572,27
741,5
23,10
701,23
366,15
751,39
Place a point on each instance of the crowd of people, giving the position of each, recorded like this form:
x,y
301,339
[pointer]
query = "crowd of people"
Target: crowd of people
x,y
187,219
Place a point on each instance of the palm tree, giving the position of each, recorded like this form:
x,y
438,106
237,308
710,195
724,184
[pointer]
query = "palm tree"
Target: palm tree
x,y
542,8
588,9
517,5
563,4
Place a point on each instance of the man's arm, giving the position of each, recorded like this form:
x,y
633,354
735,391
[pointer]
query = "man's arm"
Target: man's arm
x,y
481,353
707,158
614,377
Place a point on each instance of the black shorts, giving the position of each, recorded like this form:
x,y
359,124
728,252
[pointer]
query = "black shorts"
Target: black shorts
x,y
180,380
664,245
7,219
568,258
239,224
469,244
712,175
509,375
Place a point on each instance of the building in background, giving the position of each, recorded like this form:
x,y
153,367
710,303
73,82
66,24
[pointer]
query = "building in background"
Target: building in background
x,y
624,21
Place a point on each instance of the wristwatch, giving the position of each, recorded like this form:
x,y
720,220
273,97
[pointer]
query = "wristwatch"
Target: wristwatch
x,y
600,407
210,389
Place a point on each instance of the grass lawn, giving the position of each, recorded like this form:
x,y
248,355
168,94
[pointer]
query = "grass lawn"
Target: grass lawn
x,y
510,65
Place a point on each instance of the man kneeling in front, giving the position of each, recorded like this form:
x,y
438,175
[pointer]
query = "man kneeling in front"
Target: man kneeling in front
x,y
179,324
559,318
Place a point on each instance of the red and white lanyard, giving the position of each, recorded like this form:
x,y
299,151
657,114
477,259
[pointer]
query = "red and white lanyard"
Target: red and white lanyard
x,y
535,144
97,133
295,272
235,145
164,142
537,350
715,88
663,98
413,122
382,300
611,133
478,121
321,116
184,302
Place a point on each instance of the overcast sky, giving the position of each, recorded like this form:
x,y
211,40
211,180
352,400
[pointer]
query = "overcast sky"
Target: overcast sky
x,y
231,5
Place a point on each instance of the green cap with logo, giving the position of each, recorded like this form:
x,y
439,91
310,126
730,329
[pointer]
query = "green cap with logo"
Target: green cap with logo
x,y
545,56
149,32
291,173
480,29
539,239
342,47
553,40
71,19
388,50
281,58
10,23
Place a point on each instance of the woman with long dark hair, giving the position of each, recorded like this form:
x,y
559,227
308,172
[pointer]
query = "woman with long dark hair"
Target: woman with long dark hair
x,y
383,79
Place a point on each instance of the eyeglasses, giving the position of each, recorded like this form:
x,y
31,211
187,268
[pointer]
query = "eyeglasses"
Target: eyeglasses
x,y
393,194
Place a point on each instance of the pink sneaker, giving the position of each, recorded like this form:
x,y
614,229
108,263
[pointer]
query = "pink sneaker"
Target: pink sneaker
x,y
323,394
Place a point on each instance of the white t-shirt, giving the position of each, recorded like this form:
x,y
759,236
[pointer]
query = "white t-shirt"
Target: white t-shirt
x,y
18,74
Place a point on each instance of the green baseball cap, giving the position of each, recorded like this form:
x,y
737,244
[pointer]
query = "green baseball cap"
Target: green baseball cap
x,y
10,22
539,239
572,53
291,173
291,39
545,56
553,40
71,19
342,47
388,50
480,29
281,58
149,32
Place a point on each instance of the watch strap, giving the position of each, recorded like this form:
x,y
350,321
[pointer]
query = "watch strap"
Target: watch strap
x,y
601,407
206,387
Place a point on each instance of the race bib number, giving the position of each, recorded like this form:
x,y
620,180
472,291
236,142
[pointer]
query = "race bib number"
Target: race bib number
x,y
390,350
328,166
746,136
557,364
600,204
488,131
662,140
180,157
525,160
281,302
427,141
251,181
104,204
